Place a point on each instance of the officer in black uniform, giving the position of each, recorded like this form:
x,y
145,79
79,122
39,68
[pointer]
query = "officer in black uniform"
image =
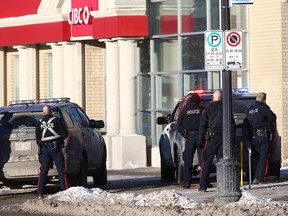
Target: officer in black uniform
x,y
210,136
50,136
262,120
188,126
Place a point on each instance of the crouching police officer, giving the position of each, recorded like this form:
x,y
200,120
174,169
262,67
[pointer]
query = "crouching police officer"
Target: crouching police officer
x,y
188,126
50,136
261,119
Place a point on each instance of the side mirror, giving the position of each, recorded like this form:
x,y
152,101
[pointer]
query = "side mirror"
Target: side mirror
x,y
169,118
97,124
161,120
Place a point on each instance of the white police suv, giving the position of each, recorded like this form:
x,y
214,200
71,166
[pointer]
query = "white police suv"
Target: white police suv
x,y
172,144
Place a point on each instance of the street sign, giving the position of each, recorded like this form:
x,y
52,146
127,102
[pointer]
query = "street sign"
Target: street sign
x,y
214,57
242,1
233,50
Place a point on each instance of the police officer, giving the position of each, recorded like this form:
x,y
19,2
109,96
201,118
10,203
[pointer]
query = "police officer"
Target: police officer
x,y
261,119
50,136
210,136
188,126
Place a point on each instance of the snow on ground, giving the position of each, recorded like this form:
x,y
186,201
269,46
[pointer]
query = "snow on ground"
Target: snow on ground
x,y
159,198
82,201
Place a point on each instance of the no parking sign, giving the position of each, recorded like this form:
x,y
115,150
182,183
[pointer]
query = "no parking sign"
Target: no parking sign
x,y
233,50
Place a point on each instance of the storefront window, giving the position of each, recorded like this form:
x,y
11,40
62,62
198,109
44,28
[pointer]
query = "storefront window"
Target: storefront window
x,y
144,92
144,56
194,81
164,17
165,55
193,52
193,15
214,15
167,91
238,17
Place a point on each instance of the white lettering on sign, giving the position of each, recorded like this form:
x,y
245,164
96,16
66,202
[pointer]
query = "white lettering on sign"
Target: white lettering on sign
x,y
242,1
79,16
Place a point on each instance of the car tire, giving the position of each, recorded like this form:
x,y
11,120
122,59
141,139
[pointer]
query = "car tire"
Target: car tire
x,y
100,178
83,173
79,179
179,167
167,173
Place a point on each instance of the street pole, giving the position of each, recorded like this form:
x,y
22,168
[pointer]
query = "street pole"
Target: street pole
x,y
228,174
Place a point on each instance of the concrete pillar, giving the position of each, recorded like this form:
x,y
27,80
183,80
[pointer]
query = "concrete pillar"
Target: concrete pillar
x,y
112,88
27,72
127,70
112,96
2,77
127,147
58,75
73,72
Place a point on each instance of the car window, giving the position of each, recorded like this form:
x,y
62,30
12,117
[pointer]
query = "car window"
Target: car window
x,y
67,118
83,117
69,111
19,120
239,107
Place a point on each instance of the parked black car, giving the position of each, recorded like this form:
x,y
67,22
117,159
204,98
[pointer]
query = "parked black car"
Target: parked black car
x,y
171,143
85,154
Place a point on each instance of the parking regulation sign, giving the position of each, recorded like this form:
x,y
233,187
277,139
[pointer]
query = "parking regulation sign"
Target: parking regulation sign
x,y
233,50
214,57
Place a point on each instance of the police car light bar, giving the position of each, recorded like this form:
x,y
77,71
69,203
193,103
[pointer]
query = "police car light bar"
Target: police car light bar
x,y
37,101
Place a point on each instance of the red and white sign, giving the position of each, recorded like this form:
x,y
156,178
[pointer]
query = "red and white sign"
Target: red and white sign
x,y
233,50
79,17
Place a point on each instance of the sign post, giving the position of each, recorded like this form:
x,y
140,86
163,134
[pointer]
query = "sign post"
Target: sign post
x,y
228,184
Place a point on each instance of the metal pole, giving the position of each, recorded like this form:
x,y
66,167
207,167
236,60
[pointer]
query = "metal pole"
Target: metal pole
x,y
228,185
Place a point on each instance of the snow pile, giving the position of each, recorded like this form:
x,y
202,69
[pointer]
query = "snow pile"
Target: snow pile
x,y
248,198
170,198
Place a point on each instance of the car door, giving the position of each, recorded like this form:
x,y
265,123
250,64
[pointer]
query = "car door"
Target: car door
x,y
91,140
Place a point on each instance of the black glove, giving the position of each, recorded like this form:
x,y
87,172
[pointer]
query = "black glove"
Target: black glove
x,y
201,144
184,133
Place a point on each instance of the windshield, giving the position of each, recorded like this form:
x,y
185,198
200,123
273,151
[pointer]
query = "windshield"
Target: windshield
x,y
19,120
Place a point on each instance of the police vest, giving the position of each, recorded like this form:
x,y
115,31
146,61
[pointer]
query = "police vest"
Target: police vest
x,y
48,126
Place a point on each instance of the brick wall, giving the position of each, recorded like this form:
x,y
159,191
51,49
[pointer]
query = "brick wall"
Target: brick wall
x,y
11,75
266,60
95,80
43,73
284,34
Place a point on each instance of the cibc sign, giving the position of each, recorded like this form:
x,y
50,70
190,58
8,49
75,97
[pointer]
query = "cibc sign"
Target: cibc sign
x,y
79,16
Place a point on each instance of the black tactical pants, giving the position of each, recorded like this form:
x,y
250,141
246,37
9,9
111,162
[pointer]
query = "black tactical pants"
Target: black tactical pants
x,y
262,147
49,154
191,146
211,148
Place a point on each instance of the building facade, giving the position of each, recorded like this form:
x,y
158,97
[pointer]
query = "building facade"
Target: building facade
x,y
128,62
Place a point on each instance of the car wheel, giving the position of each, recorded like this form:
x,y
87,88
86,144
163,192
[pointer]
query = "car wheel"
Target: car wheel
x,y
100,178
179,167
79,179
167,173
83,173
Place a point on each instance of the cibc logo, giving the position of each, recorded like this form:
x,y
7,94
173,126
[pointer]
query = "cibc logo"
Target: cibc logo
x,y
79,16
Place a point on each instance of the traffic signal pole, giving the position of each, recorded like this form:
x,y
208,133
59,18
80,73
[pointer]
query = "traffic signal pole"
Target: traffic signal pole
x,y
228,174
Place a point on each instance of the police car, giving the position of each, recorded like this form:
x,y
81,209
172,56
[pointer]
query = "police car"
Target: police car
x,y
172,144
85,154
